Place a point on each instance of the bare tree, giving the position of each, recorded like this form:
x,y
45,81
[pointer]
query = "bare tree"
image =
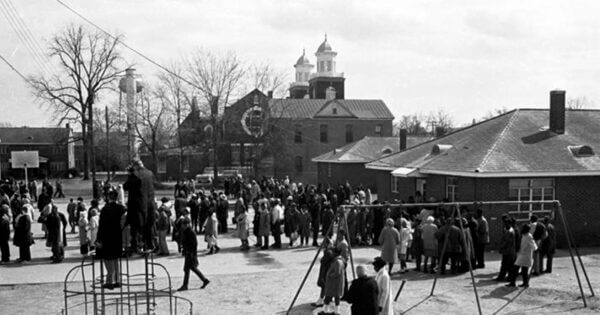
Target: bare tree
x,y
579,102
267,79
88,63
441,122
174,94
414,124
218,78
153,127
494,112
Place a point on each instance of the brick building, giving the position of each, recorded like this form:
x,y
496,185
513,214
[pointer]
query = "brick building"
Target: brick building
x,y
525,154
279,137
54,145
347,163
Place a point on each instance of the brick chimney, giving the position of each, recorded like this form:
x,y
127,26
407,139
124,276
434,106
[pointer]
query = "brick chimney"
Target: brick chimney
x,y
270,94
403,133
557,111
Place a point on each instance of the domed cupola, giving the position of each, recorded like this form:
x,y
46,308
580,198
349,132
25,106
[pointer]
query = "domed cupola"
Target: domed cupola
x,y
303,60
324,46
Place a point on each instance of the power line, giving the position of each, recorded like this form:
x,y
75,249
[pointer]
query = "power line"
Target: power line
x,y
32,39
17,71
22,38
129,47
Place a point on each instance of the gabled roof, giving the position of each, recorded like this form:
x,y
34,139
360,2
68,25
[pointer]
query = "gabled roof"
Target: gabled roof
x,y
367,149
33,135
517,143
308,108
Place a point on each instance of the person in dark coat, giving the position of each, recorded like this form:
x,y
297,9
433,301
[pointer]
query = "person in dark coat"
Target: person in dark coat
x,y
548,246
4,233
23,237
190,252
363,293
335,283
109,240
141,207
56,223
222,213
325,261
507,250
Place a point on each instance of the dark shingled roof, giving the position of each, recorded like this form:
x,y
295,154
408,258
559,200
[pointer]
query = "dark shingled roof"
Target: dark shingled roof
x,y
307,108
367,149
33,135
517,142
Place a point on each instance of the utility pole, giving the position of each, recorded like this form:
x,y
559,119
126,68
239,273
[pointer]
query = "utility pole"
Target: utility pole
x,y
214,109
107,145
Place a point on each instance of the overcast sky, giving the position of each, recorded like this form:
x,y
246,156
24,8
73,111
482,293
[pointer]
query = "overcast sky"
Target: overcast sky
x,y
465,57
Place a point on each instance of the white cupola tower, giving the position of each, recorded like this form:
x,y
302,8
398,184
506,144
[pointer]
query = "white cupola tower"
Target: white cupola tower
x,y
299,88
303,68
325,59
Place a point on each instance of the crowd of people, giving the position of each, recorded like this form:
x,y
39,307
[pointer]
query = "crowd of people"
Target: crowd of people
x,y
264,211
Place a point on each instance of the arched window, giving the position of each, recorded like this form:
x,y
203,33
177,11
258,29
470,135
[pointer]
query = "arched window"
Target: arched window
x,y
298,164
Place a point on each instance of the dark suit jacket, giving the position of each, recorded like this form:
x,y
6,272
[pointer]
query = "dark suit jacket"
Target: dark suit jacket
x,y
363,296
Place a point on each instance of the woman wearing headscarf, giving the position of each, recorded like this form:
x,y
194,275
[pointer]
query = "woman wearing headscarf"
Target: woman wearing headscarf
x,y
389,240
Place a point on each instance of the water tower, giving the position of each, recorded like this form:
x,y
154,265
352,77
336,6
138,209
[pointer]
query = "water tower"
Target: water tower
x,y
130,85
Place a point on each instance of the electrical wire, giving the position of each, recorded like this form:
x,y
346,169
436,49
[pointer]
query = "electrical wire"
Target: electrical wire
x,y
17,71
32,39
127,46
22,37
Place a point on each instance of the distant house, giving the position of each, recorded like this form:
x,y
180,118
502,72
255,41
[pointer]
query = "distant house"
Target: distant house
x,y
54,145
347,163
525,154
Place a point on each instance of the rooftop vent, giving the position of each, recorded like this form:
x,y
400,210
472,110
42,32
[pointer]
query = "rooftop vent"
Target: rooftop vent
x,y
581,150
440,149
387,150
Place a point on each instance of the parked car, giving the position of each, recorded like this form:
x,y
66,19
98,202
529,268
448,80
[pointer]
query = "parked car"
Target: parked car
x,y
204,180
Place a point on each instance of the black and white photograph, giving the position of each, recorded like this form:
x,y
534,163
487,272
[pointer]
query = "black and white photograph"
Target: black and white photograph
x,y
316,157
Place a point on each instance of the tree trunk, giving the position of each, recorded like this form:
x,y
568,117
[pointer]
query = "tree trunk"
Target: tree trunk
x,y
84,139
92,145
180,140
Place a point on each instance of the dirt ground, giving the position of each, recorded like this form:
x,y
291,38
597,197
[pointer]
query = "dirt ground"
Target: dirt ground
x,y
271,292
265,282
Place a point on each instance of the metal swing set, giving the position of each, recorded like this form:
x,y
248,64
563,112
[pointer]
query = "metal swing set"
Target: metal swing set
x,y
456,212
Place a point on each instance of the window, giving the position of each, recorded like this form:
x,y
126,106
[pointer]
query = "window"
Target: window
x,y
56,150
328,170
329,65
452,188
334,110
298,164
162,165
349,135
378,129
531,190
186,164
235,154
395,184
3,149
323,133
298,134
58,166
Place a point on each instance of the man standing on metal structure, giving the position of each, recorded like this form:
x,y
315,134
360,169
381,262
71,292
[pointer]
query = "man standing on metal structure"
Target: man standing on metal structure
x,y
141,207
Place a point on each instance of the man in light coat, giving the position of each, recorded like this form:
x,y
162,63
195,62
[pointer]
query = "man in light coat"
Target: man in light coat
x,y
384,287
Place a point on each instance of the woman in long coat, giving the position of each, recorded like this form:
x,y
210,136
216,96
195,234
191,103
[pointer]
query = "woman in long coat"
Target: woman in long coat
x,y
389,239
524,258
56,223
335,282
23,237
243,227
264,225
109,242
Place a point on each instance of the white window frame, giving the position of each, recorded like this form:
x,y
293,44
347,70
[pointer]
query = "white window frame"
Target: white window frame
x,y
526,193
395,184
451,188
328,170
161,168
